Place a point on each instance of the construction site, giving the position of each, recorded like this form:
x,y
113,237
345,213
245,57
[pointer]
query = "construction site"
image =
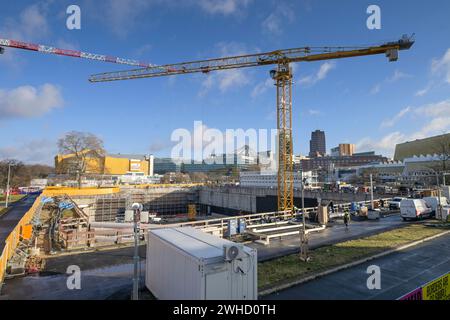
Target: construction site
x,y
130,230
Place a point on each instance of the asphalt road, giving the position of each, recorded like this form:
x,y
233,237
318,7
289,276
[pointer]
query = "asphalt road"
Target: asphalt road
x,y
106,273
10,219
401,273
335,233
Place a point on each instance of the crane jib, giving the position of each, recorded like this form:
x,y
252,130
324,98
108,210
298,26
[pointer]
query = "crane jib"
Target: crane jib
x,y
306,54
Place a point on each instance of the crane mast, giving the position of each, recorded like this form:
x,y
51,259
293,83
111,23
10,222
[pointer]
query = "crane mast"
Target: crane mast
x,y
285,177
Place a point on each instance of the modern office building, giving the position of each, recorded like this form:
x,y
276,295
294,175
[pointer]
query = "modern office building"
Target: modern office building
x,y
270,179
343,149
242,159
330,162
166,165
317,144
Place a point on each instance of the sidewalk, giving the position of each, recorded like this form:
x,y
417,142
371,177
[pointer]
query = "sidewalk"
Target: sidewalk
x,y
401,272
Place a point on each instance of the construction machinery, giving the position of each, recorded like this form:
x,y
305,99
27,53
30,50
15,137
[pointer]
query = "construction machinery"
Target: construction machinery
x,y
282,76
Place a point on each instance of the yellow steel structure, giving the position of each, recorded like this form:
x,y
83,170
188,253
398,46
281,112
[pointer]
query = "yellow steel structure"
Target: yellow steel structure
x,y
283,78
107,165
85,191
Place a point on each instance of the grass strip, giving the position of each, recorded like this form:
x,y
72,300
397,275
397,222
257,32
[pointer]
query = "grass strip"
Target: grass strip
x,y
289,268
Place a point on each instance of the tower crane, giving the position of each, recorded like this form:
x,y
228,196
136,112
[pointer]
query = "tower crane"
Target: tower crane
x,y
282,75
69,53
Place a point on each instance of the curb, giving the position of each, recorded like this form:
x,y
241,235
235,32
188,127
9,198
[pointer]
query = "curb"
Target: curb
x,y
330,243
4,212
348,265
12,204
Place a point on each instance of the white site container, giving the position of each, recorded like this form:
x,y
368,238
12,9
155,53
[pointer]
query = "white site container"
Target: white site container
x,y
188,264
129,215
145,217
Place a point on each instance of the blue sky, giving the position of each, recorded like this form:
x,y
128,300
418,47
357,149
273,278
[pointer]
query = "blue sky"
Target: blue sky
x,y
366,100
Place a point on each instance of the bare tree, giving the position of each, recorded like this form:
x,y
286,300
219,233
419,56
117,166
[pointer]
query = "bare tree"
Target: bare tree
x,y
16,167
443,150
81,148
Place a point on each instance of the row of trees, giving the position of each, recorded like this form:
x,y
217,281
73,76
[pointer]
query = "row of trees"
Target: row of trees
x,y
82,146
22,174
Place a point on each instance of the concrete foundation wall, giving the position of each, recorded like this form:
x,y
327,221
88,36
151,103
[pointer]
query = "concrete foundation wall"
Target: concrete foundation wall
x,y
245,198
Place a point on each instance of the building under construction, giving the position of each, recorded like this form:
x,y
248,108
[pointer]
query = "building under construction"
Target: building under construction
x,y
166,201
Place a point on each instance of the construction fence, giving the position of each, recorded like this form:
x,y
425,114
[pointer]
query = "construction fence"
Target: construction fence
x,y
16,236
60,191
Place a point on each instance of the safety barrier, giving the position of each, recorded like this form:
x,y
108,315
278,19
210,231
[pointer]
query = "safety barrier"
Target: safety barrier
x,y
15,236
89,191
438,289
162,185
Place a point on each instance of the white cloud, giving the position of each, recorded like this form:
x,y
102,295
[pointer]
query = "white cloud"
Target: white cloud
x,y
121,16
435,126
313,112
280,16
321,74
31,24
440,72
29,101
442,66
226,79
439,115
159,145
384,146
424,91
39,151
398,75
393,120
375,89
439,109
224,7
262,87
434,117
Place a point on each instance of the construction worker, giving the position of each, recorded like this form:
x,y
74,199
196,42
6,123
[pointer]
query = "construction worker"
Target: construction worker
x,y
331,206
346,219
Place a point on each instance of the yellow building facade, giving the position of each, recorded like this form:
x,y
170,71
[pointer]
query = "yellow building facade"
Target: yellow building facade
x,y
113,164
421,147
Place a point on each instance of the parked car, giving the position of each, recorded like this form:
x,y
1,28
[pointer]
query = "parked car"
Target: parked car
x,y
433,202
394,204
415,209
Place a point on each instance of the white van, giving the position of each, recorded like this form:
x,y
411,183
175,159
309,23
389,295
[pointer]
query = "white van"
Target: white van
x,y
415,209
433,202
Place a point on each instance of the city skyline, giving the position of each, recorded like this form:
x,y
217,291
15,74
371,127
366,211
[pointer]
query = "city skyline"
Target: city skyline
x,y
43,96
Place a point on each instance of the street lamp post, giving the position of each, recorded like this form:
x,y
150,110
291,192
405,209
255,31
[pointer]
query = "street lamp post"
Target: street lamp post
x,y
438,189
304,237
137,207
7,185
371,193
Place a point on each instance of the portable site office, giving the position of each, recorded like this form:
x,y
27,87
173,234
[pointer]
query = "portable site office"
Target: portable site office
x,y
188,264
